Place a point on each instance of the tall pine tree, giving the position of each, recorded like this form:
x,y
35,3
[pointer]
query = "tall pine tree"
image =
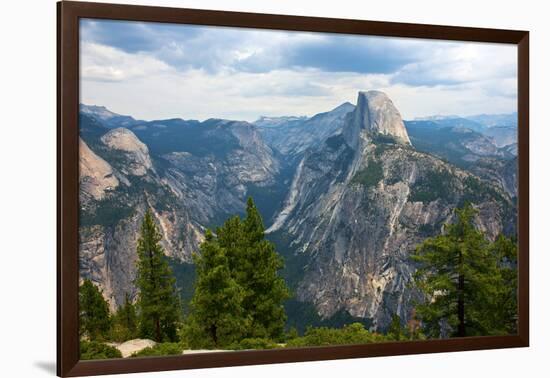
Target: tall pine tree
x,y
255,265
217,317
158,300
95,320
466,281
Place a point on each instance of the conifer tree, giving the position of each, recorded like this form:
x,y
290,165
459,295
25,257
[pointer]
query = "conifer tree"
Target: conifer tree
x,y
395,330
254,263
95,320
158,299
125,321
217,317
465,280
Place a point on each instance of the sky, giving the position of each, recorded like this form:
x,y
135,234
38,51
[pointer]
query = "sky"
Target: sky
x,y
159,71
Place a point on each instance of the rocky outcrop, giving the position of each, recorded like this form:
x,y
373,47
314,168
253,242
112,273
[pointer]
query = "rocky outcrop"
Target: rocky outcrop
x,y
130,347
137,154
376,113
96,175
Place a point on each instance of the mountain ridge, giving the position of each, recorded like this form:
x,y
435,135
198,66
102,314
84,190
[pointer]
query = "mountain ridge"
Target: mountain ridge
x,y
346,187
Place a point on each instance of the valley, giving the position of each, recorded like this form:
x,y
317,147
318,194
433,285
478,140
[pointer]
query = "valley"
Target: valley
x,y
346,197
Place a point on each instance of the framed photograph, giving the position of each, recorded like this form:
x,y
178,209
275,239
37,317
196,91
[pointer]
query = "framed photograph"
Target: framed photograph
x,y
238,188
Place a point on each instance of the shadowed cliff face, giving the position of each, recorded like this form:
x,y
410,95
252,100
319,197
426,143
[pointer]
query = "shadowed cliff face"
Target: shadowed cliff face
x,y
356,196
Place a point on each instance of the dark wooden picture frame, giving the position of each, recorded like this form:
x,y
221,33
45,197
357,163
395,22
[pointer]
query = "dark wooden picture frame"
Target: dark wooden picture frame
x,y
69,13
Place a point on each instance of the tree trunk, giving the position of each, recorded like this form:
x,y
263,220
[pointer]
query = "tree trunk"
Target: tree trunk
x,y
461,323
157,330
214,333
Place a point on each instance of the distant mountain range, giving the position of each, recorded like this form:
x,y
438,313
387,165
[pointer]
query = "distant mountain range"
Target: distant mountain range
x,y
346,195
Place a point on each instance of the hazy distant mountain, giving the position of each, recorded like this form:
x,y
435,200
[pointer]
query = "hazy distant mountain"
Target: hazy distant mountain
x,y
459,145
494,120
107,117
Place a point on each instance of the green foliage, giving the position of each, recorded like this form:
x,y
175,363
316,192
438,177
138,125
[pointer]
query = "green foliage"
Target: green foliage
x,y
302,315
185,274
369,176
435,184
217,316
93,350
396,331
107,212
253,343
475,190
158,300
161,349
238,292
504,298
469,283
125,324
379,138
95,321
292,333
354,333
255,264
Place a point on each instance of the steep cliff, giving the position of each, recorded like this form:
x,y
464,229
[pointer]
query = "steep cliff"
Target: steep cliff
x,y
361,202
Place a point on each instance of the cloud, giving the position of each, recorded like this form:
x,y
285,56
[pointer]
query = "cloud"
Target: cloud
x,y
218,48
154,70
132,36
450,63
105,63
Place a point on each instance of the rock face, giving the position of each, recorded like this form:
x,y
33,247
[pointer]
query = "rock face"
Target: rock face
x,y
291,136
136,152
96,175
376,113
358,206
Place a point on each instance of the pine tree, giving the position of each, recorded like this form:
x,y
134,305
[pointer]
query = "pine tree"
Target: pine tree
x,y
465,281
95,321
158,300
217,317
395,330
504,298
125,321
254,263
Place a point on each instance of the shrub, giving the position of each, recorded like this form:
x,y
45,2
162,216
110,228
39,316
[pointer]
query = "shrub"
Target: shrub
x,y
93,350
369,176
354,333
161,349
435,184
253,343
